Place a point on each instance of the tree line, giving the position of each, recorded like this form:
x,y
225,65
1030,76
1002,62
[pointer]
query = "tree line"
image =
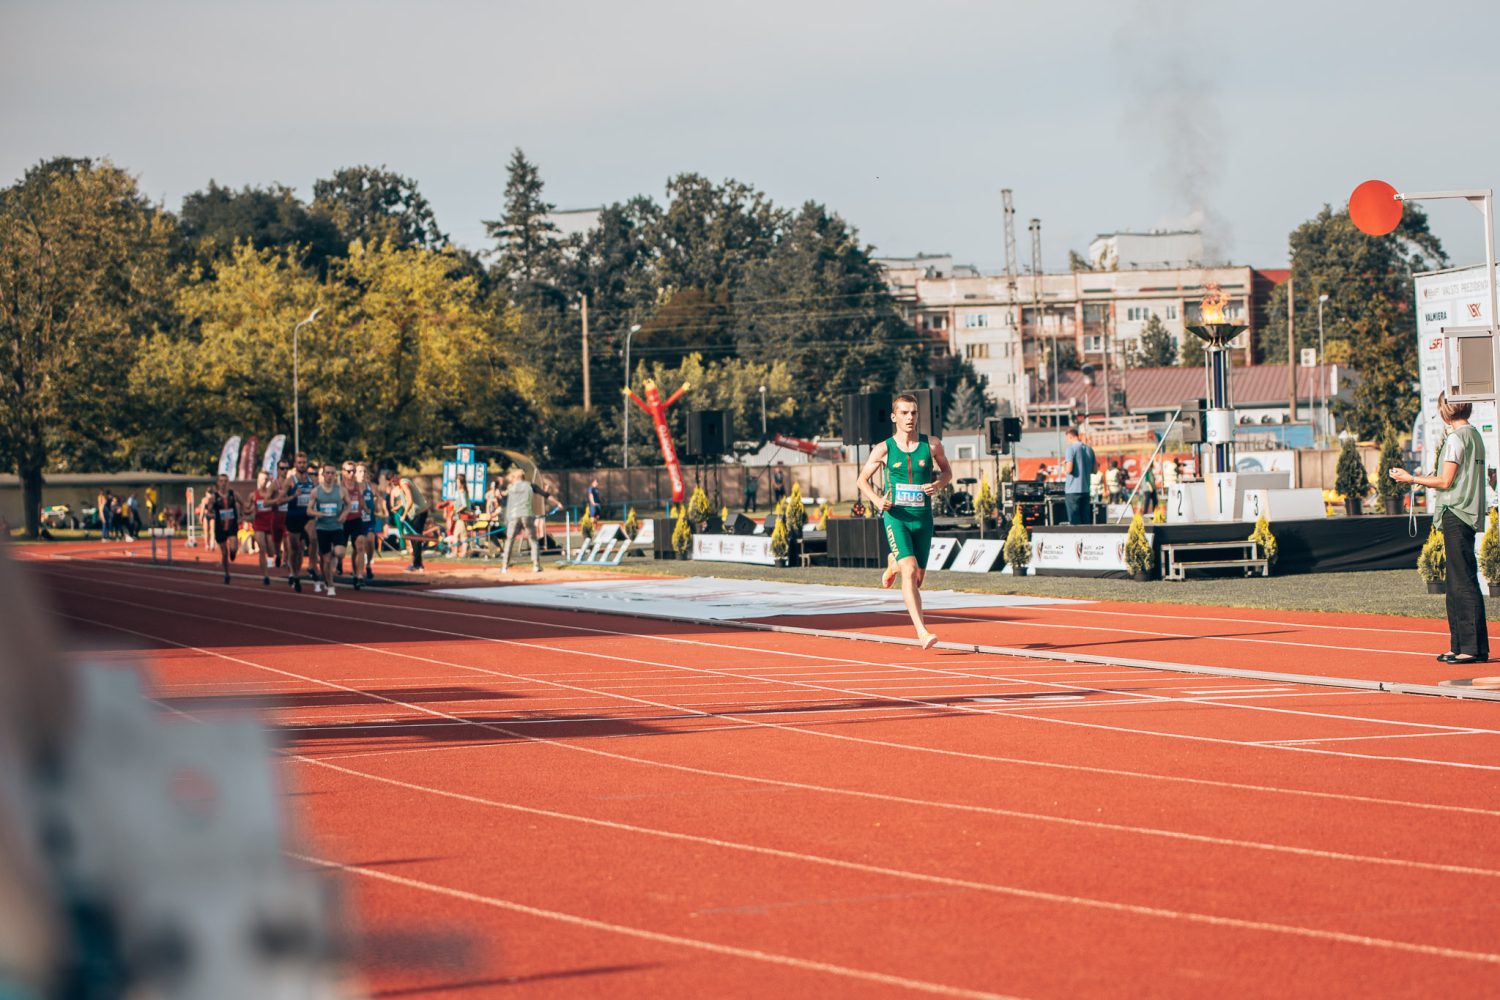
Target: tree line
x,y
140,338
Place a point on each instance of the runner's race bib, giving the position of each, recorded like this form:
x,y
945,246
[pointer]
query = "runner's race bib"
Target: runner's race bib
x,y
329,509
906,495
227,514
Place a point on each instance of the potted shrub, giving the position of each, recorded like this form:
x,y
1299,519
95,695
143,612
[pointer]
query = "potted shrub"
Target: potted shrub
x,y
1017,550
1489,553
1351,479
698,508
586,526
1432,562
780,546
985,505
1390,491
1138,554
632,524
1262,534
682,538
794,516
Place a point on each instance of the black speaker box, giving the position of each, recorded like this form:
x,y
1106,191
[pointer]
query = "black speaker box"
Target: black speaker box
x,y
742,525
867,418
999,432
1191,421
707,434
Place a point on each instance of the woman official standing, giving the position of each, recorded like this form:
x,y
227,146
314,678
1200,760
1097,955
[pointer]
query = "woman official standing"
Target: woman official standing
x,y
1458,483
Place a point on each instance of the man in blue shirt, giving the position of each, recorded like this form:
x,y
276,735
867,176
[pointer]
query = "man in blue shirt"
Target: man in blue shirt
x,y
1079,464
596,503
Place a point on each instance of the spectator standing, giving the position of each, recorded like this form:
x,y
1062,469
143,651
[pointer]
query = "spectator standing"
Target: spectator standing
x,y
410,500
101,506
519,520
596,501
778,482
1458,482
1115,482
133,514
1078,466
752,486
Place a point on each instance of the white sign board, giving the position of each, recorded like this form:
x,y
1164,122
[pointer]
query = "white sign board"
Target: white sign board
x,y
1459,297
754,549
1079,550
978,555
942,549
1186,502
1283,505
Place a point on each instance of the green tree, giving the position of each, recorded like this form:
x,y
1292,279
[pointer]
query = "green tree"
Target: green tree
x,y
1368,281
731,384
528,243
227,368
213,221
1158,348
83,266
819,303
708,234
375,205
967,408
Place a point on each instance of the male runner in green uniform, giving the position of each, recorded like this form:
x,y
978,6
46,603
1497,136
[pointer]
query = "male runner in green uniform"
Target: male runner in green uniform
x,y
915,468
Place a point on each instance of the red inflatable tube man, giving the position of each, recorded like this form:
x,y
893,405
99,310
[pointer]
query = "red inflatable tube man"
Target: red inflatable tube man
x,y
657,411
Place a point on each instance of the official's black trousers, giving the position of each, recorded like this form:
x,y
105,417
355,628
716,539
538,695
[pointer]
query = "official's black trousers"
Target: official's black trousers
x,y
1468,633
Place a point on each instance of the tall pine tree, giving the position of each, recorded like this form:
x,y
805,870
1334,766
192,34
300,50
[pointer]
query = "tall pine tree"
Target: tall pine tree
x,y
968,408
528,243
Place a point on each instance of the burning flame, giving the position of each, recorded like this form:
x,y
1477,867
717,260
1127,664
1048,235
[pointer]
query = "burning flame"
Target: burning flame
x,y
1211,309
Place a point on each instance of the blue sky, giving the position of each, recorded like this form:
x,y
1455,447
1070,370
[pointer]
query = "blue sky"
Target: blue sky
x,y
906,118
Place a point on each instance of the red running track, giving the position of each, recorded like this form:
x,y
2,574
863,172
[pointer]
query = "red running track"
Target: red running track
x,y
611,805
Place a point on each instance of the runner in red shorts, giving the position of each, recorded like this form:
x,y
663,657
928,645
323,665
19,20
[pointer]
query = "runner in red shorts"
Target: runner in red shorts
x,y
278,524
263,520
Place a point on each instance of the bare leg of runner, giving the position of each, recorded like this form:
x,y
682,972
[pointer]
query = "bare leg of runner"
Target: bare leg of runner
x,y
912,576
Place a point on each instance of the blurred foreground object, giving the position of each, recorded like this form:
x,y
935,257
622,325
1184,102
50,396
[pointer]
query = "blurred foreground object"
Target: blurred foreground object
x,y
151,851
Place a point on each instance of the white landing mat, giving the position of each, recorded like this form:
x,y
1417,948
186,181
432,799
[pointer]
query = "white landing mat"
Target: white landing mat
x,y
729,600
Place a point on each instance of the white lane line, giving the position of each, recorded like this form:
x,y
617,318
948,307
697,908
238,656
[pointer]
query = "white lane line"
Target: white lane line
x,y
1384,736
1115,630
1133,909
876,796
1235,690
659,937
916,748
1144,696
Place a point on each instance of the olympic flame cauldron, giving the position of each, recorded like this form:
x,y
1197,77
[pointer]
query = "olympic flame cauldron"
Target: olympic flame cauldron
x,y
1216,334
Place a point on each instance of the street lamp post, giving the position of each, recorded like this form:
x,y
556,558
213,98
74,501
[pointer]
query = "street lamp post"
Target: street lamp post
x,y
1322,376
625,442
296,387
762,414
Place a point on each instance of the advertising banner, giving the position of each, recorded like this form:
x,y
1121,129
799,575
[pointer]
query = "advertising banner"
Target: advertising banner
x,y
978,555
1093,551
273,453
229,458
755,549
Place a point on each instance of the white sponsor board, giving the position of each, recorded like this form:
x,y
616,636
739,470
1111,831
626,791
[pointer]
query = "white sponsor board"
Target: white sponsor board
x,y
1094,551
754,549
730,600
1454,298
942,548
978,555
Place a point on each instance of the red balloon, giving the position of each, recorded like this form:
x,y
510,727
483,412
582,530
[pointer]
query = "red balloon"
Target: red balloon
x,y
1374,208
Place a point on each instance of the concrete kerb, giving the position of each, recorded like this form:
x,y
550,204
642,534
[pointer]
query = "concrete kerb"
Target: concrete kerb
x,y
1354,683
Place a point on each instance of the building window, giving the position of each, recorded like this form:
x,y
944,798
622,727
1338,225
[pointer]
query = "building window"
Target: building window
x,y
1138,313
1093,344
976,351
936,321
1172,312
975,321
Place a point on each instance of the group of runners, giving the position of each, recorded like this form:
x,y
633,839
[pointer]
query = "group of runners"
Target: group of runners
x,y
317,515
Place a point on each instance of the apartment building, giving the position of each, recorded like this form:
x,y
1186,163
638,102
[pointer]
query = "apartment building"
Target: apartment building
x,y
1013,337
